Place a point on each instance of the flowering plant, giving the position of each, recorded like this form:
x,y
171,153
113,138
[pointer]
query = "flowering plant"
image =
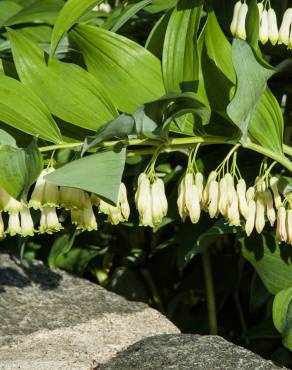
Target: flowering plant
x,y
80,102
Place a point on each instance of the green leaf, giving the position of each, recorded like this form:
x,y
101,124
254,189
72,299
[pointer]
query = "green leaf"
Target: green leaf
x,y
267,124
128,12
19,169
99,173
61,246
251,82
76,260
270,260
217,75
71,12
131,74
282,315
285,185
252,24
70,92
180,63
156,37
22,109
8,9
42,11
6,139
160,5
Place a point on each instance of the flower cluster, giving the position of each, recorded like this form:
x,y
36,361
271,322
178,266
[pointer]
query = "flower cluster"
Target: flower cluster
x,y
268,26
47,198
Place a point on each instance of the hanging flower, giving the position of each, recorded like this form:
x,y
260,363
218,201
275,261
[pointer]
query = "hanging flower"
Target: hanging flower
x,y
250,221
289,225
271,214
281,230
264,27
260,214
72,198
233,215
233,26
2,231
9,204
285,32
241,192
13,224
194,208
274,186
143,200
223,199
27,226
250,194
273,26
45,194
213,199
206,192
49,222
240,29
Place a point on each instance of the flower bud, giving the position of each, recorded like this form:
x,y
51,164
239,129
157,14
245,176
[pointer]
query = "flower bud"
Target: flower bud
x,y
189,182
271,214
250,221
213,198
234,21
274,187
223,199
13,224
49,222
27,226
199,182
260,214
233,211
284,31
195,208
159,201
260,9
162,196
281,230
273,27
289,226
250,193
264,27
241,191
240,29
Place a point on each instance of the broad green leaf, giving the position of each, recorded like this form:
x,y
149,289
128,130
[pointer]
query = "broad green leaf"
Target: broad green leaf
x,y
76,259
41,11
8,9
180,62
22,109
61,246
252,24
270,260
216,74
160,5
131,74
282,315
129,11
98,173
266,125
252,79
156,37
69,92
19,169
6,139
71,12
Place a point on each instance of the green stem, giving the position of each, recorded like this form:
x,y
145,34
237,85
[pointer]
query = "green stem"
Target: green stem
x,y
180,143
210,293
285,162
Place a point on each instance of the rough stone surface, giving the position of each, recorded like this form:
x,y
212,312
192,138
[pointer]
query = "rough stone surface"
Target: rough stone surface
x,y
52,320
186,352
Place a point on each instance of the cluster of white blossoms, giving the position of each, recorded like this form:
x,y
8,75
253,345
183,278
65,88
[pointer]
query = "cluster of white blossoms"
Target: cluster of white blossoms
x,y
268,26
48,198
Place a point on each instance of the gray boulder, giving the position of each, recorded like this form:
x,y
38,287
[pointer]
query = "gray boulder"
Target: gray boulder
x,y
186,352
53,320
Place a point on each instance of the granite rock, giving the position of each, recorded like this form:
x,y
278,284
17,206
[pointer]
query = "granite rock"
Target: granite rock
x,y
53,320
186,352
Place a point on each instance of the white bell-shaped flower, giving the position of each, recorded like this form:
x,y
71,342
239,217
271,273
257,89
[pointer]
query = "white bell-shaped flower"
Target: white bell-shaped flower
x,y
285,29
250,194
241,192
49,222
159,201
2,228
260,214
206,192
181,202
233,25
273,26
274,186
223,199
13,224
199,182
9,204
250,221
233,210
72,198
264,28
213,198
27,226
289,226
240,29
195,208
44,193
270,211
281,230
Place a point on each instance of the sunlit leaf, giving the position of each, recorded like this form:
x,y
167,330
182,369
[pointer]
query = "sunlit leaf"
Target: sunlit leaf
x,y
282,315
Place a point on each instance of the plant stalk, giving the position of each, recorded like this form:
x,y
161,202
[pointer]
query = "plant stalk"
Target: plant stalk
x,y
210,294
